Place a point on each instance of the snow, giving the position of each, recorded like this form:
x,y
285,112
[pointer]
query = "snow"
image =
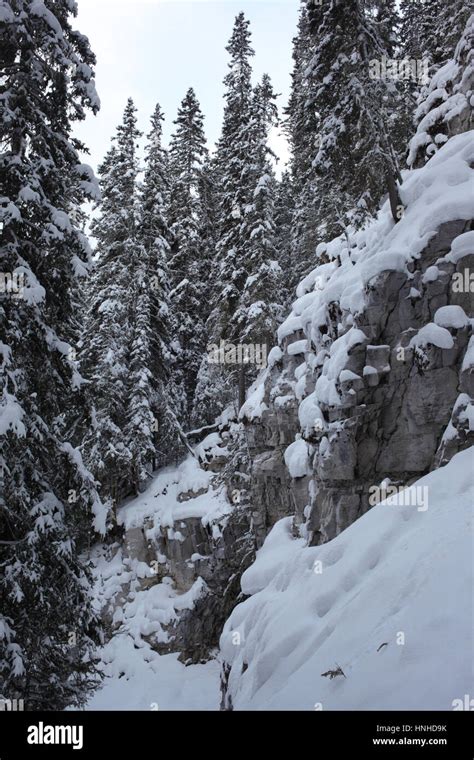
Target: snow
x,y
310,414
463,412
160,504
281,401
98,509
434,335
461,246
153,682
335,367
61,220
297,458
254,406
11,415
451,317
446,98
468,360
289,326
89,182
37,8
396,577
32,292
28,195
6,14
369,370
467,415
274,356
438,192
79,267
348,376
210,448
431,274
298,347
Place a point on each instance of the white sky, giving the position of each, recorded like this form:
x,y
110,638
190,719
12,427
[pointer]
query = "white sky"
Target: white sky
x,y
154,50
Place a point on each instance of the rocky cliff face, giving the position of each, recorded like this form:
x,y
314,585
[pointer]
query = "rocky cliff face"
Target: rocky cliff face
x,y
368,395
371,384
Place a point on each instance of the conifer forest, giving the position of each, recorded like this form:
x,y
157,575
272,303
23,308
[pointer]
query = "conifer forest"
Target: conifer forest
x,y
237,374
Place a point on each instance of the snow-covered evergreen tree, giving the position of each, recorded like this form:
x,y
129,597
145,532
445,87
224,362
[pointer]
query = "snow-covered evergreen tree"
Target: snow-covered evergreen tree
x,y
112,312
189,262
208,192
259,310
284,212
356,162
432,28
302,126
167,398
416,27
209,394
232,180
429,33
141,423
247,270
234,171
48,500
446,107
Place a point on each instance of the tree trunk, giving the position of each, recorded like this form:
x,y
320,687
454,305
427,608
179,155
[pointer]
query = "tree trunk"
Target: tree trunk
x,y
241,386
395,203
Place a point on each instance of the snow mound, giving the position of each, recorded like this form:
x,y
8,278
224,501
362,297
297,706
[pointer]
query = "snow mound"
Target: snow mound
x,y
138,680
297,458
176,493
389,602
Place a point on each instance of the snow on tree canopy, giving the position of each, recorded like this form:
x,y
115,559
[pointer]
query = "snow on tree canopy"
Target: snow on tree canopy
x,y
49,499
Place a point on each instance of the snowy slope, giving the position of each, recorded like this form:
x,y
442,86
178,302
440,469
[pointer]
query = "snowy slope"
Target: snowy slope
x,y
389,601
138,680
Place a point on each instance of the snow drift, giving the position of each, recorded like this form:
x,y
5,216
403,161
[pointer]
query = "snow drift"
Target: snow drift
x,y
388,601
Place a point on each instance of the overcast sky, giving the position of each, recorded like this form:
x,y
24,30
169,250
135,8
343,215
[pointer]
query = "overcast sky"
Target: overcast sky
x,y
154,50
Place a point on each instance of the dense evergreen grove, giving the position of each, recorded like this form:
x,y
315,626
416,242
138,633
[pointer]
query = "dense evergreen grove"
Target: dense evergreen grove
x,y
105,359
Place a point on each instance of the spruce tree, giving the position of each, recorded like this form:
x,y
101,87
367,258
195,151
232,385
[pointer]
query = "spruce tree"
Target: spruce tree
x,y
234,165
302,124
416,29
441,25
431,29
48,502
386,18
111,319
356,162
209,395
445,107
167,398
189,262
259,310
248,272
284,212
